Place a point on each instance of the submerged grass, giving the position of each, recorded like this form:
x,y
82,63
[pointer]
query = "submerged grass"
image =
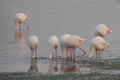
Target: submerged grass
x,y
39,76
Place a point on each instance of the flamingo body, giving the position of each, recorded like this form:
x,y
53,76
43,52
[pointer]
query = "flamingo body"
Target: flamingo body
x,y
53,44
33,44
97,43
72,42
20,18
102,30
62,39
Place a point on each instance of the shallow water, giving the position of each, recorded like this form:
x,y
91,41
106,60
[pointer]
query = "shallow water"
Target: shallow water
x,y
57,17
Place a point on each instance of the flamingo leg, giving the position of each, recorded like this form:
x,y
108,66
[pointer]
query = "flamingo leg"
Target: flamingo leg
x,y
20,26
83,51
96,54
56,53
71,53
99,54
27,26
67,53
35,52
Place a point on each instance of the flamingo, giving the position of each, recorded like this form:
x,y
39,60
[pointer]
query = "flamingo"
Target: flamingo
x,y
102,30
97,43
33,43
53,44
62,39
72,42
20,18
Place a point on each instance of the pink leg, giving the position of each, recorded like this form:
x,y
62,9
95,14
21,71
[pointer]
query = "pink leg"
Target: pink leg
x,y
27,26
83,51
56,53
35,53
96,54
99,54
71,53
20,26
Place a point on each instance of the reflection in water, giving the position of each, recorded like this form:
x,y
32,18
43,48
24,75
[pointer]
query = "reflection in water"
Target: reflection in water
x,y
21,37
53,69
33,67
68,66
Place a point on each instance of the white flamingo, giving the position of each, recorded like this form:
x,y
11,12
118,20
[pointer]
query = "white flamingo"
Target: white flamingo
x,y
33,43
62,39
102,30
20,18
97,43
72,42
53,44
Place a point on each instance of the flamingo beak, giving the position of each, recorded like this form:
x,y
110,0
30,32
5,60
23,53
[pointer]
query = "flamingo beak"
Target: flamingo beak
x,y
108,44
109,31
27,18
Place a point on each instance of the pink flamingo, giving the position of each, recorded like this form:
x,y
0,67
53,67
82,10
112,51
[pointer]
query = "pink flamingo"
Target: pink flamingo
x,y
53,44
20,18
97,43
102,30
62,39
33,43
72,42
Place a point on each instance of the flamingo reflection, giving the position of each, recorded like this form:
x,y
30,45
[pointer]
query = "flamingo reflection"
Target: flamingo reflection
x,y
33,66
53,69
21,38
69,67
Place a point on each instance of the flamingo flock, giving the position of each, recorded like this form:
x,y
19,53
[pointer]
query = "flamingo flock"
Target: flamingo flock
x,y
67,42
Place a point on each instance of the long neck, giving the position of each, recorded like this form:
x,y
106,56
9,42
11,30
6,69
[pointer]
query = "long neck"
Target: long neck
x,y
91,52
16,24
34,53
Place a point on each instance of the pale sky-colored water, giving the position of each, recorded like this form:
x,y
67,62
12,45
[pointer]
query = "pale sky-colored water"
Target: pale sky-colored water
x,y
54,17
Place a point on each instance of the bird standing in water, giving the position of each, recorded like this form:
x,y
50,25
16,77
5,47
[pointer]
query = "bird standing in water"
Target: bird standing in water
x,y
33,43
20,18
72,42
53,44
102,30
97,43
62,39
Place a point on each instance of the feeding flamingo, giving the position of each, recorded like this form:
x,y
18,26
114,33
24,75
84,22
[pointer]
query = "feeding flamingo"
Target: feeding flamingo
x,y
20,18
97,43
53,44
33,43
62,39
72,42
102,30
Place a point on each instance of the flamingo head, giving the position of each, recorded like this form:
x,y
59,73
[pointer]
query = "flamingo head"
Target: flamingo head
x,y
106,43
109,31
27,18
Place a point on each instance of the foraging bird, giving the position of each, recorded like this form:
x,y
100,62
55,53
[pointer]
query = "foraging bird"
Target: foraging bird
x,y
72,42
53,44
97,43
62,39
102,30
20,18
33,43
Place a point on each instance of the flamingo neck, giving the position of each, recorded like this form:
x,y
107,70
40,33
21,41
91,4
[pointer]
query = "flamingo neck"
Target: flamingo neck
x,y
91,52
